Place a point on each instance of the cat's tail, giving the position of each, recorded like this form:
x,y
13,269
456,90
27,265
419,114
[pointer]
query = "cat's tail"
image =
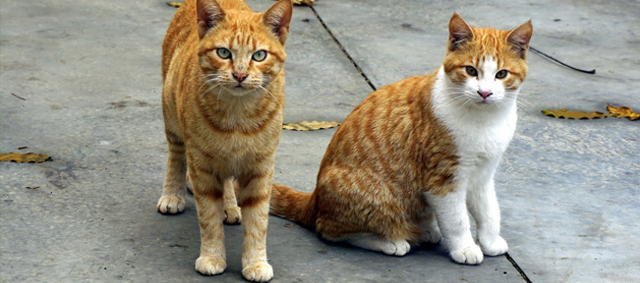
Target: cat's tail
x,y
293,205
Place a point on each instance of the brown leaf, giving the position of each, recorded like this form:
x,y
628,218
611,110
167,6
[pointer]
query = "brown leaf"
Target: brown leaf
x,y
623,112
563,113
33,188
24,157
310,126
303,2
174,4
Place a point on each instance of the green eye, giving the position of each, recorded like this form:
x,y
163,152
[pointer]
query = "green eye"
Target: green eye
x,y
471,71
259,56
501,74
223,53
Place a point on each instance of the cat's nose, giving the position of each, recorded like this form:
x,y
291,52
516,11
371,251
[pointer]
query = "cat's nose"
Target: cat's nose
x,y
240,76
485,94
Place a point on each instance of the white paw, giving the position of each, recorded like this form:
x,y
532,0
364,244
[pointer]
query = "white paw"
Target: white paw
x,y
498,247
210,266
232,215
468,255
259,272
397,248
431,235
170,204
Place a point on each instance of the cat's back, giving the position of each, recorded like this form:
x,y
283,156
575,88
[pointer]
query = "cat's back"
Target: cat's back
x,y
182,34
393,127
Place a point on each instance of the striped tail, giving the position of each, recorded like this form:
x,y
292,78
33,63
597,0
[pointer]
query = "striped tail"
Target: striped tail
x,y
296,206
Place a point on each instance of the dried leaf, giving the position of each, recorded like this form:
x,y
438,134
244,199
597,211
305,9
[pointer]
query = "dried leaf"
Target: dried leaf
x,y
33,188
174,4
24,157
563,113
303,2
623,112
310,126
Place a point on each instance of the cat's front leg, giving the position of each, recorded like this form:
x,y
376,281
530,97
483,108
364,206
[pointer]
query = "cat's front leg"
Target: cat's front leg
x,y
483,206
172,199
254,200
451,213
208,195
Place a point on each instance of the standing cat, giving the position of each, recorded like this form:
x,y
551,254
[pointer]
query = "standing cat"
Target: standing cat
x,y
223,100
413,157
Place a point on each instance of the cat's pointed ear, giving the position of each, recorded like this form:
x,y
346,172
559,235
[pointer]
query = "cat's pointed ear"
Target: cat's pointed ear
x,y
519,38
209,14
459,32
278,18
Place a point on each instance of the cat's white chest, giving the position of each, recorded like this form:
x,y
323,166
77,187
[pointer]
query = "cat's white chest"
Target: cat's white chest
x,y
481,134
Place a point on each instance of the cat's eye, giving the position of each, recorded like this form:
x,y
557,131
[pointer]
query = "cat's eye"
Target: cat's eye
x,y
223,53
501,74
471,71
259,56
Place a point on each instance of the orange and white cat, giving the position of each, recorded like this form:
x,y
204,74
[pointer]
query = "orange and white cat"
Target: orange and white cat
x,y
411,160
223,100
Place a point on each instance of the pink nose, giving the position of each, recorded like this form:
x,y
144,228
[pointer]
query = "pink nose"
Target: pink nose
x,y
485,94
240,76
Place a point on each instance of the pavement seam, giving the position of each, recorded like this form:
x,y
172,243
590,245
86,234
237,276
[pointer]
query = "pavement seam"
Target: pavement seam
x,y
342,48
517,267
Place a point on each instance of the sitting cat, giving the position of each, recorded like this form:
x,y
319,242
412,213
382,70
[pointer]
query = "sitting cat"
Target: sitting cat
x,y
414,156
223,101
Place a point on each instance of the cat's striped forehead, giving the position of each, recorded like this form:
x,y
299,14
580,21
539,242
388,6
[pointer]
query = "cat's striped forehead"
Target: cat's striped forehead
x,y
243,31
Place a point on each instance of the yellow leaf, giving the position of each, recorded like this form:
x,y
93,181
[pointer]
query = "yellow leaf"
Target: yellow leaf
x,y
303,2
24,157
310,126
563,113
174,4
623,112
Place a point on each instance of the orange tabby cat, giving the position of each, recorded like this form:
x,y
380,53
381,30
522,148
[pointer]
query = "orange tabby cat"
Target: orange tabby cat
x,y
413,157
223,100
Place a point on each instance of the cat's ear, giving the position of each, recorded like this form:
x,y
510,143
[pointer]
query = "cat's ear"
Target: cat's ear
x,y
519,38
459,32
278,18
209,14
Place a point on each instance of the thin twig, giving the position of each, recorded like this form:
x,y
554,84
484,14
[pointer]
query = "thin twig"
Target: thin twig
x,y
536,51
19,97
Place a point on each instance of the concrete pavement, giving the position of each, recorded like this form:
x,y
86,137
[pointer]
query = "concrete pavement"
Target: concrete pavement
x,y
89,72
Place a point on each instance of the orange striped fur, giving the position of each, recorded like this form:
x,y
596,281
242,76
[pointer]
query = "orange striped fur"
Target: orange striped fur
x,y
396,162
223,101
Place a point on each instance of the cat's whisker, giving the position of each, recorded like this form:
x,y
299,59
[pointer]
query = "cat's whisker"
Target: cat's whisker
x,y
268,92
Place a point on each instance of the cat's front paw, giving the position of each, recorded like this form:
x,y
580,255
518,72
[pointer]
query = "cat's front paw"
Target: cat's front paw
x,y
210,266
259,272
170,204
232,215
468,255
498,247
398,248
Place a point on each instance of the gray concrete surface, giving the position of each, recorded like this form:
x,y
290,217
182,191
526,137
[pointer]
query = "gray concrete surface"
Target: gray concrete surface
x,y
90,74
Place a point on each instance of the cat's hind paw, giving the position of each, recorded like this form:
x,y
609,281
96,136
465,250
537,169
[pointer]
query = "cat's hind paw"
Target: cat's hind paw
x,y
210,266
397,248
432,235
468,255
498,247
168,204
374,243
259,272
232,215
